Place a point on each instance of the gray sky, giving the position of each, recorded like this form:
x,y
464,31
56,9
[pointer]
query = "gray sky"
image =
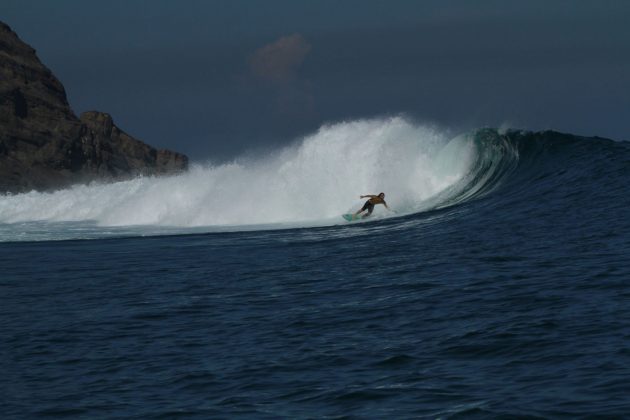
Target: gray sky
x,y
213,79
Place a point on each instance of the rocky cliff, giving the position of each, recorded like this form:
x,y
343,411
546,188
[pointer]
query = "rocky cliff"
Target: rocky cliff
x,y
43,145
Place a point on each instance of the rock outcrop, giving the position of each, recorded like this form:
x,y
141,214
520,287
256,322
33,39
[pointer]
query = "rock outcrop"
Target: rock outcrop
x,y
43,145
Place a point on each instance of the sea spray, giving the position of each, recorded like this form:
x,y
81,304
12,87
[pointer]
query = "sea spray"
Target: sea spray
x,y
311,182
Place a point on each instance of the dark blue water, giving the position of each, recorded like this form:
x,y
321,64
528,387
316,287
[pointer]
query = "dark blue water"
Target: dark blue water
x,y
513,301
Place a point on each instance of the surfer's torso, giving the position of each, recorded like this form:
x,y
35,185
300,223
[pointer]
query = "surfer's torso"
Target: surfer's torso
x,y
375,199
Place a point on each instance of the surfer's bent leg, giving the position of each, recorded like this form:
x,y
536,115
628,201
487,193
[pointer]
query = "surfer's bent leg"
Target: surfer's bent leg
x,y
370,208
366,206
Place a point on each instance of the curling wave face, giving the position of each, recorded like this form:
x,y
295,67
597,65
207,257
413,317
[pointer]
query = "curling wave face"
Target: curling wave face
x,y
308,184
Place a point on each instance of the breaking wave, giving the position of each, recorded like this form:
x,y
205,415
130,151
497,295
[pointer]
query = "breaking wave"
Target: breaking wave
x,y
311,182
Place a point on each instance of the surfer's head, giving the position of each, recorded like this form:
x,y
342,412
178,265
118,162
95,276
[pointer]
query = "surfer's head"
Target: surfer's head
x,y
382,195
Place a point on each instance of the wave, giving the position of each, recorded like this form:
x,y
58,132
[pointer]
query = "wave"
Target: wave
x,y
315,180
312,182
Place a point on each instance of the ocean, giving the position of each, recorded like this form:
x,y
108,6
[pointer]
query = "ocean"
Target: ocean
x,y
496,287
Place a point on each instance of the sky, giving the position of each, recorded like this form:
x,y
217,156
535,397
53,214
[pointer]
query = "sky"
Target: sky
x,y
216,79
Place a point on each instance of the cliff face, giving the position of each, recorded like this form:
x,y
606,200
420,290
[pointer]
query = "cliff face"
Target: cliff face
x,y
43,145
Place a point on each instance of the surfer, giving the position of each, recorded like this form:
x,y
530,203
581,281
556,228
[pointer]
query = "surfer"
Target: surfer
x,y
369,205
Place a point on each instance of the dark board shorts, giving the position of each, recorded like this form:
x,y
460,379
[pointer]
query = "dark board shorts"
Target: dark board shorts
x,y
369,206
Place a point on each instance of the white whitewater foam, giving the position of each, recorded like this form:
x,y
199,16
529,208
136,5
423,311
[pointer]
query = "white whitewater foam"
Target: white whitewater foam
x,y
310,183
